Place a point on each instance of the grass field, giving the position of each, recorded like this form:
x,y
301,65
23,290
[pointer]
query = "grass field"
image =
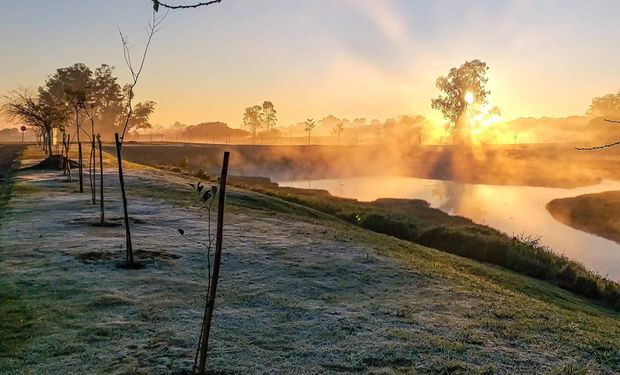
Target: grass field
x,y
301,291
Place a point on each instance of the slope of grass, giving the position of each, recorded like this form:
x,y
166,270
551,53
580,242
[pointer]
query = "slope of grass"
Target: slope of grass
x,y
530,309
416,221
301,292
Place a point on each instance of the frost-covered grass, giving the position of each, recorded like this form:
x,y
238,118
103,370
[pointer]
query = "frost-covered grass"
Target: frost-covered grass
x,y
300,292
9,160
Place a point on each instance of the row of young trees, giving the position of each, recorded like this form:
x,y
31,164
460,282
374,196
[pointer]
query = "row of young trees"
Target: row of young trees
x,y
75,93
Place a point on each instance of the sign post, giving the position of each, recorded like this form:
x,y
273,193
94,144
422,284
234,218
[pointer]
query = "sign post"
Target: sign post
x,y
22,130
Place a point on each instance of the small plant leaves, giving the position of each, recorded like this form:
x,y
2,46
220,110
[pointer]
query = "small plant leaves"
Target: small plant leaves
x,y
181,231
193,186
206,196
213,190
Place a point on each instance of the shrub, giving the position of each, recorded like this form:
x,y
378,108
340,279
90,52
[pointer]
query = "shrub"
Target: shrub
x,y
391,226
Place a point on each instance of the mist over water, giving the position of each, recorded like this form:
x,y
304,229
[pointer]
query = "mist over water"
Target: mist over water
x,y
511,209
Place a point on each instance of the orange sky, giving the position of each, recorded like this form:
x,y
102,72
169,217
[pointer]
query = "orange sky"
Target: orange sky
x,y
311,58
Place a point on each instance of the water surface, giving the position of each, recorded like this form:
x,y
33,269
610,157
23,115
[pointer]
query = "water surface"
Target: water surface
x,y
511,209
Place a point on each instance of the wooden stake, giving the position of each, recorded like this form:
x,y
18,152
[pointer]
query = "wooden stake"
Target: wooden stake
x,y
129,256
216,266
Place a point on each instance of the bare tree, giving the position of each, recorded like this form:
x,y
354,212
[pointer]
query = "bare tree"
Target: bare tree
x,y
92,169
37,111
136,71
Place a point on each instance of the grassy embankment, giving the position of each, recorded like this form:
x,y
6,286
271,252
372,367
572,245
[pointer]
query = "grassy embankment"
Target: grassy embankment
x,y
457,316
592,213
9,159
416,221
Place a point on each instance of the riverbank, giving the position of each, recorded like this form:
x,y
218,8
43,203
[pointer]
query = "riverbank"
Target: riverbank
x,y
597,214
414,220
300,292
548,165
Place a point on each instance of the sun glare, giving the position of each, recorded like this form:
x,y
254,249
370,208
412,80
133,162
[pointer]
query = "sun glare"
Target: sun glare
x,y
469,97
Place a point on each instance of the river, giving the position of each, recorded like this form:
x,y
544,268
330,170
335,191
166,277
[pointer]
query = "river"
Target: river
x,y
511,209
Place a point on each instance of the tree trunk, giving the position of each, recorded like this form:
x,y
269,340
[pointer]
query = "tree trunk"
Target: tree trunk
x,y
50,152
129,256
216,266
92,170
77,125
79,164
101,180
67,160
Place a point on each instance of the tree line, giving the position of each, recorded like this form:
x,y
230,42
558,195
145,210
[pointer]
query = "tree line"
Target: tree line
x,y
75,94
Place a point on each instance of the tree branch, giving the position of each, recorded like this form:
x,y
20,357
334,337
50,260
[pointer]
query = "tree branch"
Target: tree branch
x,y
597,147
157,4
152,29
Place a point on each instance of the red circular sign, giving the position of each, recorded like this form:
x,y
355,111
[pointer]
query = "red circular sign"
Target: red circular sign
x,y
22,129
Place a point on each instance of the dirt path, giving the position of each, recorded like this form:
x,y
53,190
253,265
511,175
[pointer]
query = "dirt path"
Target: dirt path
x,y
296,295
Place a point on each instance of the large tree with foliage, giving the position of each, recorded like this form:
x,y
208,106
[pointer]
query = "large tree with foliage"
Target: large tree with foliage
x,y
462,87
268,116
77,87
605,106
252,119
37,110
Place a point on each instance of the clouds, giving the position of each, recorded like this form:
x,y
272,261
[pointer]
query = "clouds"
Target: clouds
x,y
373,58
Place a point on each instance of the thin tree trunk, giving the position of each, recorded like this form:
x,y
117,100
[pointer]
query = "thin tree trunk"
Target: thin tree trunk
x,y
50,152
101,179
129,256
80,163
92,170
67,161
216,266
77,125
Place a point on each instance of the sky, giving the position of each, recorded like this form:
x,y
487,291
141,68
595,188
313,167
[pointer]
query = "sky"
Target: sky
x,y
311,58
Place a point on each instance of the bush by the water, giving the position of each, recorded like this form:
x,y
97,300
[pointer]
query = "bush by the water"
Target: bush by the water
x,y
523,255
